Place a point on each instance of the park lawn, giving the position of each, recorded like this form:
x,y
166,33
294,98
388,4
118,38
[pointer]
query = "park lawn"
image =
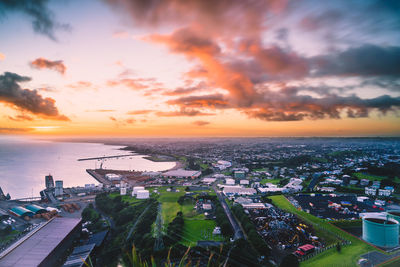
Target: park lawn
x,y
195,230
272,181
126,198
169,204
361,175
348,255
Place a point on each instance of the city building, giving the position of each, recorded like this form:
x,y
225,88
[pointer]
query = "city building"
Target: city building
x,y
244,182
239,174
370,191
229,181
384,192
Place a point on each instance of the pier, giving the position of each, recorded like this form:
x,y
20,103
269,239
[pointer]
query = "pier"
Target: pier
x,y
106,157
100,178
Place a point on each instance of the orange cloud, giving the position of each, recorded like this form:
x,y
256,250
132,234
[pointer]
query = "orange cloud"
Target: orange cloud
x,y
42,63
200,123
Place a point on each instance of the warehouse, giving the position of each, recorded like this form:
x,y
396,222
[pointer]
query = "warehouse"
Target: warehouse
x,y
46,246
180,173
21,212
233,191
36,209
143,194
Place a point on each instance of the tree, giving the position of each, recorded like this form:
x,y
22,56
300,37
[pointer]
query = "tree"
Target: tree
x,y
289,260
338,247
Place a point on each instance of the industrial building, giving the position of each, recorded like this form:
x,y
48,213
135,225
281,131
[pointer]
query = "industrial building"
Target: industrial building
x,y
235,190
113,177
49,181
21,212
381,232
180,173
35,209
136,189
59,191
45,246
143,194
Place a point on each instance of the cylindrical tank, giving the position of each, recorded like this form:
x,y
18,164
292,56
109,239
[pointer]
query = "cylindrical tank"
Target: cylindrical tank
x,y
394,214
381,232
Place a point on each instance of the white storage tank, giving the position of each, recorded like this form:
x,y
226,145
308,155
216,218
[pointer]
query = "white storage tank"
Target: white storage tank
x,y
143,194
136,189
123,191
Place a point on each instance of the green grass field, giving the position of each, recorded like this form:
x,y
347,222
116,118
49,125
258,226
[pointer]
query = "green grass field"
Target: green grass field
x,y
196,227
348,255
272,181
195,230
126,198
370,177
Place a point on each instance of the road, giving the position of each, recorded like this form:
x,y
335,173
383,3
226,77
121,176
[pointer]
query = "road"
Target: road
x,y
235,225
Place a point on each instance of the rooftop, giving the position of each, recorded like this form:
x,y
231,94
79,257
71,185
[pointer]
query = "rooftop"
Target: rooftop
x,y
37,247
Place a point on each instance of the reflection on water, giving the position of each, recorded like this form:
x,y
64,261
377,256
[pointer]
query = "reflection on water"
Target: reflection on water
x,y
24,163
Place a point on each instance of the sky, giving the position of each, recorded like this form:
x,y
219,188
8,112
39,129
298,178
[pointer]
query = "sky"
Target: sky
x,y
200,68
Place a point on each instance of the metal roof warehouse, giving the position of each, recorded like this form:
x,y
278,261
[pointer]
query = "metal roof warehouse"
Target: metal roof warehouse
x,y
45,246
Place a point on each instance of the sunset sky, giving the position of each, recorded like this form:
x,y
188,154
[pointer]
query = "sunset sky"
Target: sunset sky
x,y
200,68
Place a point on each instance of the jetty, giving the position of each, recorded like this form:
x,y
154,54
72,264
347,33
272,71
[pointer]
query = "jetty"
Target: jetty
x,y
106,157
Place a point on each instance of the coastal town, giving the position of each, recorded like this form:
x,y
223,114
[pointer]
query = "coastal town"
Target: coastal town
x,y
278,202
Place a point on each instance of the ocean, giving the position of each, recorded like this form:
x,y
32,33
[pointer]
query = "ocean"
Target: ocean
x,y
25,162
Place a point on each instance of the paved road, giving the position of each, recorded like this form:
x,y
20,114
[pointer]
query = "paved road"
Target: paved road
x,y
375,257
235,225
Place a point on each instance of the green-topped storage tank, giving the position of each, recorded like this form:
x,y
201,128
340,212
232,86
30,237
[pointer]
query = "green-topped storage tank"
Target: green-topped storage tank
x,y
381,231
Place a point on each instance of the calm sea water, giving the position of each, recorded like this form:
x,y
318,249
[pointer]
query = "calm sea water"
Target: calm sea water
x,y
24,163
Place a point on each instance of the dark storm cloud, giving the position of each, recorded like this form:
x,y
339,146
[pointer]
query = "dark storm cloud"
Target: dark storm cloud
x,y
366,60
25,99
41,16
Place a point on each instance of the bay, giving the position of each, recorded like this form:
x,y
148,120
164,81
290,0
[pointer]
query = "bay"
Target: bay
x,y
25,162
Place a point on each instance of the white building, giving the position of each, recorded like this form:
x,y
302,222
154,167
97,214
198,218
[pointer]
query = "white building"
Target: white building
x,y
254,206
244,182
122,191
113,177
209,180
229,181
370,191
136,189
231,190
384,192
223,164
143,194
